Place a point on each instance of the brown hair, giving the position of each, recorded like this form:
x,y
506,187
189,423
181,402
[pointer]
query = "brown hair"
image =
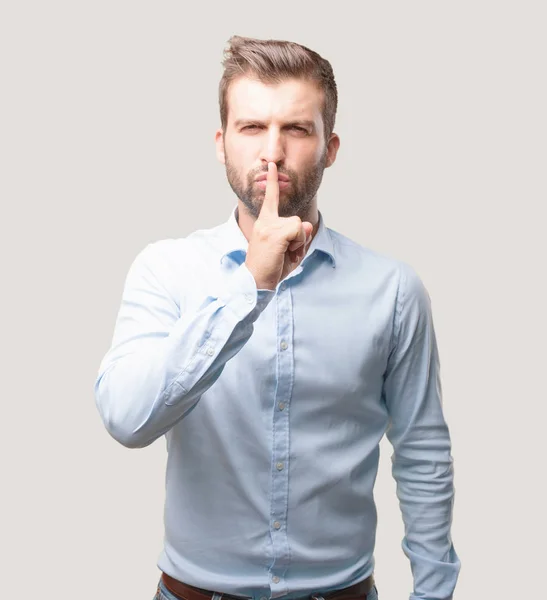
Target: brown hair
x,y
272,61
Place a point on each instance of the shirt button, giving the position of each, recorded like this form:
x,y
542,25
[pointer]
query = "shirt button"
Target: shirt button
x,y
210,351
279,466
277,525
281,405
284,345
249,298
283,286
275,579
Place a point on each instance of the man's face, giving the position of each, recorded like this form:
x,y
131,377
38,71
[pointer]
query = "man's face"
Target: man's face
x,y
279,123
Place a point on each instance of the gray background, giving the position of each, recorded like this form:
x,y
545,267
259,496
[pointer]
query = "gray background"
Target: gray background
x,y
108,111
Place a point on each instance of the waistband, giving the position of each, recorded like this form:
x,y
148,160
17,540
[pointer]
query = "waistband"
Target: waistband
x,y
358,591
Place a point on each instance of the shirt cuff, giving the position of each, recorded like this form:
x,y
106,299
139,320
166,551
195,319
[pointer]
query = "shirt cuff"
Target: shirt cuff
x,y
242,297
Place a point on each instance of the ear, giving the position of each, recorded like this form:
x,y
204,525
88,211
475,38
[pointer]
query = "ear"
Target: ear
x,y
332,149
219,141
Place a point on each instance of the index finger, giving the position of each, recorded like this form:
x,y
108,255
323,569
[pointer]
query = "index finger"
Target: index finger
x,y
270,206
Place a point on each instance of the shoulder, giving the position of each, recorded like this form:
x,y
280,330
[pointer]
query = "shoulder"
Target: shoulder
x,y
388,271
185,249
160,253
355,254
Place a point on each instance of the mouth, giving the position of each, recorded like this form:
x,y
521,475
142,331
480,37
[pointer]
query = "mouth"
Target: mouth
x,y
280,177
262,183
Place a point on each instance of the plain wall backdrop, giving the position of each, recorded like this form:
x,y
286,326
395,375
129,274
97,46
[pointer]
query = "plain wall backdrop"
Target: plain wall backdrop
x,y
107,117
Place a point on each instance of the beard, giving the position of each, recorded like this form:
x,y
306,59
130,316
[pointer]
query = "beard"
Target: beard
x,y
296,201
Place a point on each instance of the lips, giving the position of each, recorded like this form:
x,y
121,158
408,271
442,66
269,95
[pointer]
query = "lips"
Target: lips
x,y
280,177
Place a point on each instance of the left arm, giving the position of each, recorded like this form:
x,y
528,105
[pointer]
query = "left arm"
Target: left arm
x,y
421,461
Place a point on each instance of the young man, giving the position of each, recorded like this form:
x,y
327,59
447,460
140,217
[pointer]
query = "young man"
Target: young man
x,y
274,353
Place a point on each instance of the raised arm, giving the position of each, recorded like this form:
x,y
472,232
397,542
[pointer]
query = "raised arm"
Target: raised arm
x,y
161,362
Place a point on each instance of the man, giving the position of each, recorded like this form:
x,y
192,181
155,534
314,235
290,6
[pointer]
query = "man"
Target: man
x,y
274,353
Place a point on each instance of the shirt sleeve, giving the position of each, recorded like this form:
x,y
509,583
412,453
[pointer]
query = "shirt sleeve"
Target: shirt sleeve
x,y
160,361
422,464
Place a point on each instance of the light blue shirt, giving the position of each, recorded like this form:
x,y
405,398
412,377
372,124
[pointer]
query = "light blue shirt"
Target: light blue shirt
x,y
273,404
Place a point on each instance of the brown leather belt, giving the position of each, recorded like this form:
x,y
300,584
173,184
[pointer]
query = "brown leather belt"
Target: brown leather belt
x,y
181,590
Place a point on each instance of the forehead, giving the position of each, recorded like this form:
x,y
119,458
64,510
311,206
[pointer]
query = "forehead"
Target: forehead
x,y
290,99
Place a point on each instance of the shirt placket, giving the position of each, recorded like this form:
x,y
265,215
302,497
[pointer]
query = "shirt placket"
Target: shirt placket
x,y
280,445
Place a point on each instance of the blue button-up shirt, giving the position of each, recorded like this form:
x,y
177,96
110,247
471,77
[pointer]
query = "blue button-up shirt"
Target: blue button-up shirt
x,y
273,404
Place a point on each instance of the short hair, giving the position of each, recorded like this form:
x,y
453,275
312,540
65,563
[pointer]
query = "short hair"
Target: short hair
x,y
272,61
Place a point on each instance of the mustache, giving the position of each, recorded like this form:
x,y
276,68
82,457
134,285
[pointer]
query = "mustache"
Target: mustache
x,y
256,172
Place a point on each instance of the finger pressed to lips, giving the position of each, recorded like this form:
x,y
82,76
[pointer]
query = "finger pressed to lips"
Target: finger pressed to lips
x,y
273,177
270,206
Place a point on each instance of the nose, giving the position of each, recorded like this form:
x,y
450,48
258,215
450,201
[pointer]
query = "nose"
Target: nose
x,y
273,149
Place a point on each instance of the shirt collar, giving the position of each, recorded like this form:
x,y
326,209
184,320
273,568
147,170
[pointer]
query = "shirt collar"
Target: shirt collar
x,y
233,243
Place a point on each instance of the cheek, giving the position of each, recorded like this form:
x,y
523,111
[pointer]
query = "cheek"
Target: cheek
x,y
306,155
319,152
241,154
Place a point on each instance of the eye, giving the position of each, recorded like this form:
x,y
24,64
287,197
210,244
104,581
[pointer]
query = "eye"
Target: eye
x,y
249,128
298,129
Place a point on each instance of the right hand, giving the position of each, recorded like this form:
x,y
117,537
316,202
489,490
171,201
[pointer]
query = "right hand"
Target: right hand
x,y
277,244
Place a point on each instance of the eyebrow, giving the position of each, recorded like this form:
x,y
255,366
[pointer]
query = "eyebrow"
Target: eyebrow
x,y
301,122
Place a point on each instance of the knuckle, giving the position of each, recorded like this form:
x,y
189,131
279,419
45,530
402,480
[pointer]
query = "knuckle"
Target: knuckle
x,y
262,232
296,220
259,227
